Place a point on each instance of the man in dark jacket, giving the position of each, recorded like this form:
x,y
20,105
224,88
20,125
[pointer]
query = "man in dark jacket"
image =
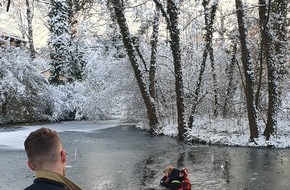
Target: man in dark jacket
x,y
47,158
171,179
175,179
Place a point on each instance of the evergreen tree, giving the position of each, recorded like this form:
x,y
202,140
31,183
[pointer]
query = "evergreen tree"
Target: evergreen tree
x,y
74,70
59,40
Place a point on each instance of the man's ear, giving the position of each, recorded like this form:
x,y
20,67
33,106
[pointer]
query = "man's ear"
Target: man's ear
x,y
30,165
63,156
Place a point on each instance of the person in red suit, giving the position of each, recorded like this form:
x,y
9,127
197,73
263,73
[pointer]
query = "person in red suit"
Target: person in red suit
x,y
175,179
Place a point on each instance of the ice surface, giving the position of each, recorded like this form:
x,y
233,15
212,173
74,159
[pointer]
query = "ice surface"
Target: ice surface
x,y
14,139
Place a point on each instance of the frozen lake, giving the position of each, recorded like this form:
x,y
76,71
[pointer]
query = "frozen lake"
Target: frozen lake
x,y
111,155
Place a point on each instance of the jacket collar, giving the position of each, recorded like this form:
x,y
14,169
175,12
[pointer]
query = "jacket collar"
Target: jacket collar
x,y
57,177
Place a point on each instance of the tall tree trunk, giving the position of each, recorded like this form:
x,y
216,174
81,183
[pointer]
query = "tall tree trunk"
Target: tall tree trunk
x,y
176,52
262,21
230,87
260,76
211,57
136,43
280,30
8,5
127,40
30,30
171,18
280,9
269,52
114,33
209,18
154,41
248,71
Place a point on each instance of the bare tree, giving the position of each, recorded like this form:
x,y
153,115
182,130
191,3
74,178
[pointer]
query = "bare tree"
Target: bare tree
x,y
230,87
209,16
131,52
269,53
176,52
8,5
248,71
280,11
171,17
209,26
154,43
30,30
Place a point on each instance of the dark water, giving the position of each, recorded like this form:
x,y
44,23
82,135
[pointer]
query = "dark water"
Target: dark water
x,y
124,158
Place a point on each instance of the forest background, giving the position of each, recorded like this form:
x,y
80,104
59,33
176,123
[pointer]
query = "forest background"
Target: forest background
x,y
202,70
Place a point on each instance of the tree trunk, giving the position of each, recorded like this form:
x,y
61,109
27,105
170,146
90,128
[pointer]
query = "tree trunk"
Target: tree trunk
x,y
260,76
280,30
280,8
154,41
209,18
231,88
114,33
127,40
269,52
30,30
211,57
8,5
171,18
248,71
176,52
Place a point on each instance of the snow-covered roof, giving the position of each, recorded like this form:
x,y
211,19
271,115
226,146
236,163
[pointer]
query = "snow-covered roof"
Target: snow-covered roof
x,y
13,39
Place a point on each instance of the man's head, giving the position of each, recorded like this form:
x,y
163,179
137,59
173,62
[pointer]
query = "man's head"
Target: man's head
x,y
44,151
168,170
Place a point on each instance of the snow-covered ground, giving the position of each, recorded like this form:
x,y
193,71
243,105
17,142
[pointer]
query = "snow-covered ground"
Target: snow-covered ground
x,y
14,139
231,132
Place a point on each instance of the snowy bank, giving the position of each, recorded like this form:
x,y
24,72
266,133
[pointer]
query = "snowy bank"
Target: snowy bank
x,y
229,132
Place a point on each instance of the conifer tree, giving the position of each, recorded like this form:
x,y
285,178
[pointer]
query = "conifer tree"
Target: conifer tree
x,y
77,62
59,40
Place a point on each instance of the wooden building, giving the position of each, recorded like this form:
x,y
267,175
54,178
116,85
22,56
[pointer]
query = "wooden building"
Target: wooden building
x,y
10,40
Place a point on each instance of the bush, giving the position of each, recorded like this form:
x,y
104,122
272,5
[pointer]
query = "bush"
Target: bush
x,y
24,92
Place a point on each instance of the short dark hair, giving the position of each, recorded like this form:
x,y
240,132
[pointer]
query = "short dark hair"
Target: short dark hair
x,y
41,146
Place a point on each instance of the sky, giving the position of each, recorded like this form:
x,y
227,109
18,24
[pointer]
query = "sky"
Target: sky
x,y
10,21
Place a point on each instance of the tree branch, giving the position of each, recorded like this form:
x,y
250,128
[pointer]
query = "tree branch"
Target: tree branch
x,y
8,5
159,5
